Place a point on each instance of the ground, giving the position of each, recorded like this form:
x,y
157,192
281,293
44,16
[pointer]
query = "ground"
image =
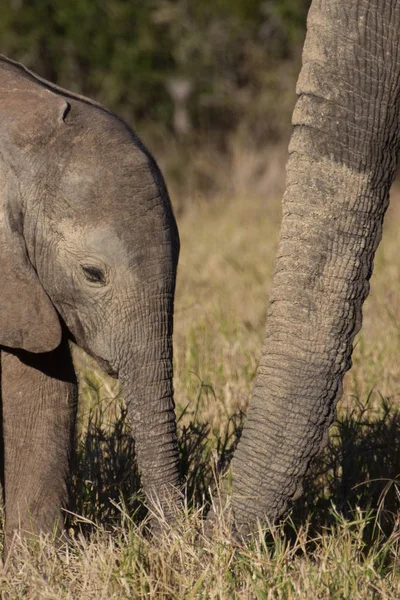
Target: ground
x,y
341,538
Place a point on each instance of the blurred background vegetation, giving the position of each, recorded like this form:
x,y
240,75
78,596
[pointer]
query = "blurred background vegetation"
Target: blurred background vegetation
x,y
197,80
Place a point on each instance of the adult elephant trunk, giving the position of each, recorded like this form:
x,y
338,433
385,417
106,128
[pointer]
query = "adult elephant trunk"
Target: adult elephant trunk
x,y
147,378
343,157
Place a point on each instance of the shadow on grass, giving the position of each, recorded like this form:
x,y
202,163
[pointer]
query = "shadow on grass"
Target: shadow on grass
x,y
359,470
106,478
358,473
105,474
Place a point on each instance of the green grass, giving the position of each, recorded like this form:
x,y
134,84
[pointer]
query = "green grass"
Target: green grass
x,y
341,539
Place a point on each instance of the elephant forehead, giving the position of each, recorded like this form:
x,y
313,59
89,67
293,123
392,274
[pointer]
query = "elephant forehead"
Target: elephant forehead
x,y
109,243
92,239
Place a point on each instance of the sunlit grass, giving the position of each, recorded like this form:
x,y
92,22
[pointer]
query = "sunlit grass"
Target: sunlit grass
x,y
341,539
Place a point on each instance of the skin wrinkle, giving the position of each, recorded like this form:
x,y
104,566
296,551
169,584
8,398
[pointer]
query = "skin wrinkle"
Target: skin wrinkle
x,y
281,385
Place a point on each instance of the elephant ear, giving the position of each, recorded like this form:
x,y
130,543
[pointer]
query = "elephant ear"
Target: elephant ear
x,y
31,115
29,120
28,320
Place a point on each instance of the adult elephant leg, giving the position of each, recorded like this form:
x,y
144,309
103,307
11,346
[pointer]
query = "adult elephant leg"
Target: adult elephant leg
x,y
343,158
38,406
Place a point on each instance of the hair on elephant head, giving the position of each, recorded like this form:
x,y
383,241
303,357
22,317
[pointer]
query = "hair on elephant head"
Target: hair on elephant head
x,y
88,250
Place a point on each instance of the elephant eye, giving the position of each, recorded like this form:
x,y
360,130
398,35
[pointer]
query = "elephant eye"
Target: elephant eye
x,y
94,275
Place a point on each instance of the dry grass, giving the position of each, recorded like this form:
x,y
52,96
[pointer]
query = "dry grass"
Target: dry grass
x,y
342,538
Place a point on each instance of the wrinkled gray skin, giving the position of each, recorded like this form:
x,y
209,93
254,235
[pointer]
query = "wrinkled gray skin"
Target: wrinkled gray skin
x,y
86,234
343,158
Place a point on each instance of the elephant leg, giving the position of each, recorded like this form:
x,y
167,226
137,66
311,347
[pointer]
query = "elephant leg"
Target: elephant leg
x,y
38,412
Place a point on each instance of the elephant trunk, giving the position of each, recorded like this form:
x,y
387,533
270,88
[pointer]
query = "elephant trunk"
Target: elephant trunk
x,y
147,380
343,158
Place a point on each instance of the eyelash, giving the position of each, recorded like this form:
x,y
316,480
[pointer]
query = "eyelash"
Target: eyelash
x,y
94,275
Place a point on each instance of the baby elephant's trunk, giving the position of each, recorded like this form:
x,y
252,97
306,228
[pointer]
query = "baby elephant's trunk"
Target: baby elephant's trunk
x,y
148,389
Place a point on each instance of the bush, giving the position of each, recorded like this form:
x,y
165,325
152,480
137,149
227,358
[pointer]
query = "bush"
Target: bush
x,y
189,66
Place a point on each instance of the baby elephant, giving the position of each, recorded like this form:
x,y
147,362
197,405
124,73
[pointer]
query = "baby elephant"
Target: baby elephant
x,y
88,252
